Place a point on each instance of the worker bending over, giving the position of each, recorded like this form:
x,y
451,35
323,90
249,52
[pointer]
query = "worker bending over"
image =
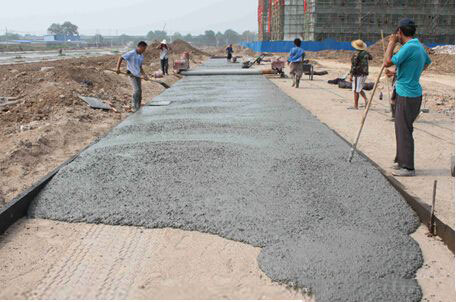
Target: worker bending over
x,y
359,71
135,60
295,61
410,61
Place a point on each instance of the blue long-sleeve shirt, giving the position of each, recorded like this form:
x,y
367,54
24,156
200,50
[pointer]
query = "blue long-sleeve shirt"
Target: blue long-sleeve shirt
x,y
297,54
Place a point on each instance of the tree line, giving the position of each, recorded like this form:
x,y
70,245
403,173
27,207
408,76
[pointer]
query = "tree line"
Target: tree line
x,y
209,38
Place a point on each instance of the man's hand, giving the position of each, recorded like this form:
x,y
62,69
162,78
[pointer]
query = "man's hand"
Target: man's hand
x,y
350,79
394,38
390,73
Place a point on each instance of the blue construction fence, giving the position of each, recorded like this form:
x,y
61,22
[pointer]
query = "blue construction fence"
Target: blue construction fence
x,y
286,46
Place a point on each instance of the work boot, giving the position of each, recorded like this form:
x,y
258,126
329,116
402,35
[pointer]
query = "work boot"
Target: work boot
x,y
404,173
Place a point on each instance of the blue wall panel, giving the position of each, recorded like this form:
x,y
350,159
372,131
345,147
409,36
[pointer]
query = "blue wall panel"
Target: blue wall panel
x,y
286,46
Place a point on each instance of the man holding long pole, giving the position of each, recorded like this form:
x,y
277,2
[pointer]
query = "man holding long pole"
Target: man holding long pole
x,y
410,62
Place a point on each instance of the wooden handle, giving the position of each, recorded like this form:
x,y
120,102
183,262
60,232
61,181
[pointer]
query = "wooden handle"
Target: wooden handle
x,y
358,135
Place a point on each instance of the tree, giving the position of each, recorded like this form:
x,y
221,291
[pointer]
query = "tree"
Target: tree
x,y
158,35
209,38
67,29
177,36
97,39
55,29
232,37
248,36
220,39
188,38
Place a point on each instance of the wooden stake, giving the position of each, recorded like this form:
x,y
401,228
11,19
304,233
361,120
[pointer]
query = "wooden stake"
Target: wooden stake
x,y
431,225
355,144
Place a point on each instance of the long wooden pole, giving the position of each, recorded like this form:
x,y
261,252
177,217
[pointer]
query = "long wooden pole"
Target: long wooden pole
x,y
386,78
358,135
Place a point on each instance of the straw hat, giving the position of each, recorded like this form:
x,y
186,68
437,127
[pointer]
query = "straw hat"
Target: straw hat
x,y
164,42
359,45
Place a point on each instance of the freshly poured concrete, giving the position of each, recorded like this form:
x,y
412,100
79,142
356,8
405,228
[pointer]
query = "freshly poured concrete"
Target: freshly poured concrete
x,y
235,157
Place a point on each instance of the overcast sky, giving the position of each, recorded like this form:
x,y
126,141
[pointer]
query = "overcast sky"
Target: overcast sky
x,y
134,17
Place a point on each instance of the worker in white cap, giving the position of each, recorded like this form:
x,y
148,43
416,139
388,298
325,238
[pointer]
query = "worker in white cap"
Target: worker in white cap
x,y
164,56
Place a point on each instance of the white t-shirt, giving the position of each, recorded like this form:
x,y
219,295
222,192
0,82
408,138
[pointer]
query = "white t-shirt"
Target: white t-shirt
x,y
164,53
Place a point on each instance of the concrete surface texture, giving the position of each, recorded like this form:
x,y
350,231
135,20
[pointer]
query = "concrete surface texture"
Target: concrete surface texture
x,y
236,157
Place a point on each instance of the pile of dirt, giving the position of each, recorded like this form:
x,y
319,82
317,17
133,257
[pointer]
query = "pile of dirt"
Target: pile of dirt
x,y
442,63
180,46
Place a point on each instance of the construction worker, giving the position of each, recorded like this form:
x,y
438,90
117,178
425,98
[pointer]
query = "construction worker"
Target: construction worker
x,y
295,61
135,60
164,56
229,52
359,71
410,62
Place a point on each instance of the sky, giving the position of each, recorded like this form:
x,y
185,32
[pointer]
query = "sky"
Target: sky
x,y
134,17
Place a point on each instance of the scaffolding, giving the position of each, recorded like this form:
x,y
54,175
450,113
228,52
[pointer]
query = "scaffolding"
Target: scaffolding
x,y
345,20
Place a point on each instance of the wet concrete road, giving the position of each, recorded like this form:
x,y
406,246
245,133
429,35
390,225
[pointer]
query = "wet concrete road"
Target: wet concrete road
x,y
235,157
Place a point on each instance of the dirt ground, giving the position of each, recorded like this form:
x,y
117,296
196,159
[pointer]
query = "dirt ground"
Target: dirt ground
x,y
43,259
48,123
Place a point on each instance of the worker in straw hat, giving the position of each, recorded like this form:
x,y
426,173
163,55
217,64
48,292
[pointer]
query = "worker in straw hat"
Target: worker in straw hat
x,y
164,56
359,70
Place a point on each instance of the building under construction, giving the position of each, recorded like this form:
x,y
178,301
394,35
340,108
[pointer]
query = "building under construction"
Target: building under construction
x,y
345,20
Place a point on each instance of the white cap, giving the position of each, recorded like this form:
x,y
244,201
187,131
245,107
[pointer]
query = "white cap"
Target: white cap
x,y
164,42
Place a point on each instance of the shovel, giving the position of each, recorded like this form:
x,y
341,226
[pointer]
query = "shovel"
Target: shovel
x,y
166,86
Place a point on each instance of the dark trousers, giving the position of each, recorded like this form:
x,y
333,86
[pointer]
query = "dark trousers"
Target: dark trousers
x,y
407,110
164,66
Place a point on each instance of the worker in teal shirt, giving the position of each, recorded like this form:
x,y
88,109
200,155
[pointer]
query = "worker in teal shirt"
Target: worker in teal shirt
x,y
296,63
410,63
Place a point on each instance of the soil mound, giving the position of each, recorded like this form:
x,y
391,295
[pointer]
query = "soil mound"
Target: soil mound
x,y
180,46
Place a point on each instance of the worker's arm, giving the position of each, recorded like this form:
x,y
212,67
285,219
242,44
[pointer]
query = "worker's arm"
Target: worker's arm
x,y
428,62
387,62
119,63
144,74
